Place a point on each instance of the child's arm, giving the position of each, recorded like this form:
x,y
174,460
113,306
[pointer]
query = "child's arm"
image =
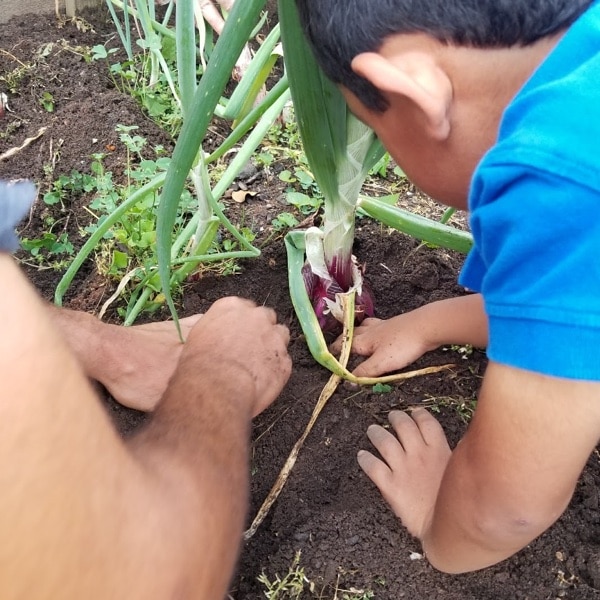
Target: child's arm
x,y
394,343
507,481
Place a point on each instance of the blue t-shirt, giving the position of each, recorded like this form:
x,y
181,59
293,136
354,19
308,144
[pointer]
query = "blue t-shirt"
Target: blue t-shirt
x,y
535,216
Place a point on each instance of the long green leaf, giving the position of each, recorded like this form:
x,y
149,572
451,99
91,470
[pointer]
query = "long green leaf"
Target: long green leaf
x,y
319,106
124,35
128,10
427,230
185,30
279,90
237,29
246,90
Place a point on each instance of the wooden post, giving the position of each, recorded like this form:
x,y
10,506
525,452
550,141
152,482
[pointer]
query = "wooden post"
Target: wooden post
x,y
11,8
75,6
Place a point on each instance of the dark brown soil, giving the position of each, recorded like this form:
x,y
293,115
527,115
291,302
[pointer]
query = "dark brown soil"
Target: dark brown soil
x,y
328,510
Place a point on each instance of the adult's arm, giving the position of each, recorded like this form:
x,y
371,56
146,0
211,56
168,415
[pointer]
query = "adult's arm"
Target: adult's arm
x,y
85,514
134,364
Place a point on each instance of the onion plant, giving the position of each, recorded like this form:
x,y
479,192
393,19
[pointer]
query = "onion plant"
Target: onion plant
x,y
177,258
340,151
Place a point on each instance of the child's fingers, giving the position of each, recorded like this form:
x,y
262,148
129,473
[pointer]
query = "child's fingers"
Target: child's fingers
x,y
387,445
336,346
369,322
376,470
429,426
406,429
374,366
361,344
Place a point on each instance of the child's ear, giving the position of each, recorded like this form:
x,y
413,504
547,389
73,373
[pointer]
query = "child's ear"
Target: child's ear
x,y
415,76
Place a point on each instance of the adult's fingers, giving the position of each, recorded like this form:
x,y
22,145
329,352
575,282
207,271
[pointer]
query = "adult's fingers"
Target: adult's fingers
x,y
284,333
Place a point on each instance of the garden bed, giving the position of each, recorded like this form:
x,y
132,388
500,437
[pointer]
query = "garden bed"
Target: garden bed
x,y
350,544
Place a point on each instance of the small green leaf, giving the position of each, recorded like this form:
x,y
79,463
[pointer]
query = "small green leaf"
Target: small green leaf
x,y
382,388
284,220
119,263
287,176
51,198
99,52
304,178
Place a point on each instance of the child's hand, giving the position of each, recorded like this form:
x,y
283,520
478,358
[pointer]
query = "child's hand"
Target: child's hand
x,y
390,345
413,464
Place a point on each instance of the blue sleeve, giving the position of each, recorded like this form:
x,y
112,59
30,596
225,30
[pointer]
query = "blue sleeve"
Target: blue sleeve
x,y
536,261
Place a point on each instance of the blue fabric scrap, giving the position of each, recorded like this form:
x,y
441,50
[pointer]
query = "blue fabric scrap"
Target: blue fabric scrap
x,y
15,200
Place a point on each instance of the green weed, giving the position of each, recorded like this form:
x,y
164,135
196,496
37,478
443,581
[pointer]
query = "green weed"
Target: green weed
x,y
283,145
382,388
463,351
284,221
464,407
67,187
310,199
127,249
46,101
12,79
295,585
289,587
50,250
132,77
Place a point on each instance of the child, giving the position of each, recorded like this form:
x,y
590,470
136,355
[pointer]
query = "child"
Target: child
x,y
497,103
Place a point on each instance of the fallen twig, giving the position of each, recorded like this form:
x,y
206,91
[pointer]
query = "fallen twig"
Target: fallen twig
x,y
10,153
122,284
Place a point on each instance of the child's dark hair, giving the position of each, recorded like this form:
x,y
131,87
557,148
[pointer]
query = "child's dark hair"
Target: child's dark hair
x,y
339,30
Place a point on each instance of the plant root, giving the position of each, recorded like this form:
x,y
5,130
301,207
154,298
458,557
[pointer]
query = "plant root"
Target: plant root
x,y
331,386
328,391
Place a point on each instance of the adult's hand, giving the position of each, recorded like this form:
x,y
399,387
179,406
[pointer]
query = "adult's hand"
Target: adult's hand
x,y
238,341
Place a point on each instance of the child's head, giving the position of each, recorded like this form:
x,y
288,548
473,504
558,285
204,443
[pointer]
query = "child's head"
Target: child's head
x,y
339,30
433,77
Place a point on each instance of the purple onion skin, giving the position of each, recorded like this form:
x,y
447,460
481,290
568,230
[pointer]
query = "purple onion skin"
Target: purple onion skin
x,y
343,271
364,304
319,289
